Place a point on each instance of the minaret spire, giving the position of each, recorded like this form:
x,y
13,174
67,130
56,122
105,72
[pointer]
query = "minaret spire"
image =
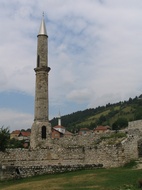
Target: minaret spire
x,y
42,30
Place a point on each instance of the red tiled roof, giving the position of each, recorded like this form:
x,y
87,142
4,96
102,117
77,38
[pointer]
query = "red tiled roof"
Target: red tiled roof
x,y
25,134
16,132
102,128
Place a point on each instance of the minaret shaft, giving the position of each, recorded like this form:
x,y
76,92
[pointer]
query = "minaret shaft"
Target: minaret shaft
x,y
41,97
42,51
42,69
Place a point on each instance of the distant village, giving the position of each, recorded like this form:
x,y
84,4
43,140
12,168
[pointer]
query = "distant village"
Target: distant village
x,y
57,132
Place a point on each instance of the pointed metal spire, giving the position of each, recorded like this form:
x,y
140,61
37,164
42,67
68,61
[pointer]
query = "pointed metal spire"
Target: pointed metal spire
x,y
42,30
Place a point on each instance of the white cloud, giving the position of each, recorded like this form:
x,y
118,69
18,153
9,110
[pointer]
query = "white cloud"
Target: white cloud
x,y
15,120
94,49
80,95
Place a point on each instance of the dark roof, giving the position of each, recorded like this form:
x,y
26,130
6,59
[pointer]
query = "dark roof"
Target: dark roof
x,y
16,132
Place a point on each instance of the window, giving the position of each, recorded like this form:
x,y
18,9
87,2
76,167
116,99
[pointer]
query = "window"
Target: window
x,y
38,61
43,132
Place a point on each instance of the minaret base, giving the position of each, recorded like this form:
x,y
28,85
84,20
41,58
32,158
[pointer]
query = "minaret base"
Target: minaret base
x,y
40,135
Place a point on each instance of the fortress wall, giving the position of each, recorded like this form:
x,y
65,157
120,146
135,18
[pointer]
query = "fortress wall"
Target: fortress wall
x,y
135,125
11,172
70,154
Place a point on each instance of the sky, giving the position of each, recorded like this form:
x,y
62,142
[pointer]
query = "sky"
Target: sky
x,y
94,51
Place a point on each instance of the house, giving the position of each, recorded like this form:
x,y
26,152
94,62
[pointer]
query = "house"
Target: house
x,y
60,128
60,131
56,134
24,135
84,131
101,129
21,135
15,134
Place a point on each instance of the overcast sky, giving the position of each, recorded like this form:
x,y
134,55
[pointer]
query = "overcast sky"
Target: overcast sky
x,y
95,55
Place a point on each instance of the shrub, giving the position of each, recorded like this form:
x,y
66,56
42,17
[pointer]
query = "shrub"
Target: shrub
x,y
120,123
114,135
4,138
130,164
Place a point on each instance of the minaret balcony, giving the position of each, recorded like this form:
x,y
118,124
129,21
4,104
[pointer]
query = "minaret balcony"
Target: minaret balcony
x,y
47,69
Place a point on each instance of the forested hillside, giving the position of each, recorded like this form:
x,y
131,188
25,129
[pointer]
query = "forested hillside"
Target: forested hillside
x,y
115,115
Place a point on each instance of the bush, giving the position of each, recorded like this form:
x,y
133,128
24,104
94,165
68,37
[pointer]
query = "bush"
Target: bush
x,y
130,164
4,138
114,135
120,123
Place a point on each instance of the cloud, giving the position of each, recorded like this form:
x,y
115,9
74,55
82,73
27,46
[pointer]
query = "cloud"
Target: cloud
x,y
80,95
15,120
94,50
109,57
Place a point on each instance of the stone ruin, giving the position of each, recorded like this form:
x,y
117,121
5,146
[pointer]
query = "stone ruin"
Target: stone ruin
x,y
73,153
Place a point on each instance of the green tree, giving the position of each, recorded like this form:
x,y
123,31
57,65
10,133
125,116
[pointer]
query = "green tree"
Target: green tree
x,y
14,143
102,119
120,123
138,114
4,138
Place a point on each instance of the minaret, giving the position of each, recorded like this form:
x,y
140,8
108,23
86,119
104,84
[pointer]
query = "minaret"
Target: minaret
x,y
41,128
59,119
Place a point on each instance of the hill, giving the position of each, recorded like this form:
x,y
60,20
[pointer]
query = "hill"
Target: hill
x,y
112,114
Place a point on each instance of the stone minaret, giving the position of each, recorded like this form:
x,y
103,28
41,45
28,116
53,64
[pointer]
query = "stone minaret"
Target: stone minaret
x,y
41,129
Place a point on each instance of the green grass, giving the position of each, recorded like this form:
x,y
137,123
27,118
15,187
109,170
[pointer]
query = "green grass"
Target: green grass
x,y
114,136
127,109
94,118
101,179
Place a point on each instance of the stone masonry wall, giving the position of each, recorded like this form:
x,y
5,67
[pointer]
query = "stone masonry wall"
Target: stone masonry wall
x,y
12,172
135,125
73,152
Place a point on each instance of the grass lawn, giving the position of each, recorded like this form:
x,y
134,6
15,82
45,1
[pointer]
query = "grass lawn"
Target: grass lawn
x,y
100,179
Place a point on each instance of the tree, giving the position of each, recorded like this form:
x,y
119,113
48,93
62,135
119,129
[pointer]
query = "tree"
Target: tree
x,y
138,114
102,119
14,143
4,138
22,130
28,130
120,123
